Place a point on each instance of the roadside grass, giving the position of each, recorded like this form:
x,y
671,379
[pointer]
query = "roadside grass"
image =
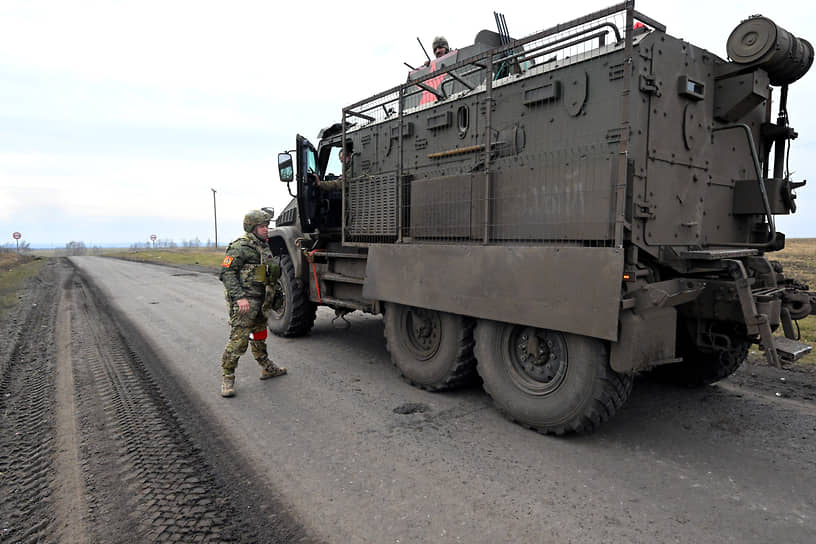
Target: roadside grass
x,y
14,270
799,262
210,258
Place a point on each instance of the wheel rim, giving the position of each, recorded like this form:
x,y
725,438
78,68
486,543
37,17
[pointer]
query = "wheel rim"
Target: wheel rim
x,y
538,359
422,332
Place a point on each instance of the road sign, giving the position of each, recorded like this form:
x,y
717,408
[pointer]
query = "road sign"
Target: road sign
x,y
17,235
152,237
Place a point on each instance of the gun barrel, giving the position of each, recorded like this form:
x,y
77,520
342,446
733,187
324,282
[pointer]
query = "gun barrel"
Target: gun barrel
x,y
423,49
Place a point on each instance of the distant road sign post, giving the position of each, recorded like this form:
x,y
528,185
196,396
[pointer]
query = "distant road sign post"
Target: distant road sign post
x,y
153,239
215,219
17,237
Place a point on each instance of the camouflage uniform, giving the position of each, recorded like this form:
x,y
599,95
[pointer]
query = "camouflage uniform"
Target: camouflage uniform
x,y
247,272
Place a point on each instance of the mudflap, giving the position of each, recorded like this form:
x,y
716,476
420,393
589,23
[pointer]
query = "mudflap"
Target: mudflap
x,y
646,339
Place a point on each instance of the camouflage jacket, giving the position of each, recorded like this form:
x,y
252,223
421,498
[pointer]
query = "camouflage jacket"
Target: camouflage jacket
x,y
248,268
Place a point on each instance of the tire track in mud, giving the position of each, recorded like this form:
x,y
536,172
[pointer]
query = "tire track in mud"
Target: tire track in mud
x,y
156,494
92,450
163,489
165,448
27,429
69,498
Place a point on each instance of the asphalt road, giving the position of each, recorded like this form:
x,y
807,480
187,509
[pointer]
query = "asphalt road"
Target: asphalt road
x,y
727,463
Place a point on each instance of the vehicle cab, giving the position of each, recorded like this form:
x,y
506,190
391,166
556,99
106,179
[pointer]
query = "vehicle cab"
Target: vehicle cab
x,y
316,173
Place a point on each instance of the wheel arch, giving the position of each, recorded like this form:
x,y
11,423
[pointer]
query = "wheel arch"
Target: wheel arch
x,y
287,236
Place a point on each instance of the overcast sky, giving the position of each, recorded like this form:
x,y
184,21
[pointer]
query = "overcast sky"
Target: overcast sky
x,y
118,118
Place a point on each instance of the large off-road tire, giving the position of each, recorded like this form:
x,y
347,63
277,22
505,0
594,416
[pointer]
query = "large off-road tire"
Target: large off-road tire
x,y
432,350
293,314
704,366
549,381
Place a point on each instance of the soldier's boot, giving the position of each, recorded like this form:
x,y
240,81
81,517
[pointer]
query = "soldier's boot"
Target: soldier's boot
x,y
271,370
228,385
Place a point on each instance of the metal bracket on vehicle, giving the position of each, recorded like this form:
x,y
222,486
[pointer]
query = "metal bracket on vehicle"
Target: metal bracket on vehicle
x,y
755,323
643,210
663,294
649,84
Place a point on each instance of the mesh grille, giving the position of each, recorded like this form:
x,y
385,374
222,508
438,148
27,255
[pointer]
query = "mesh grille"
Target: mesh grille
x,y
287,217
371,207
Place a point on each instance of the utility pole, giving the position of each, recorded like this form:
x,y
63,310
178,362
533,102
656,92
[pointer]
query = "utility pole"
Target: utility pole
x,y
215,219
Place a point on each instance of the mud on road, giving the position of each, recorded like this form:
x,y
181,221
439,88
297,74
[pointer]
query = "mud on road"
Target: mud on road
x,y
91,449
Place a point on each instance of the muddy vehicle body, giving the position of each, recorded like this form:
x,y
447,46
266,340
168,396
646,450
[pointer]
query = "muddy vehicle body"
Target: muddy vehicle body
x,y
559,213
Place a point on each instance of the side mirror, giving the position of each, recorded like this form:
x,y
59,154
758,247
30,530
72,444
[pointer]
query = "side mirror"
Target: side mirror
x,y
285,168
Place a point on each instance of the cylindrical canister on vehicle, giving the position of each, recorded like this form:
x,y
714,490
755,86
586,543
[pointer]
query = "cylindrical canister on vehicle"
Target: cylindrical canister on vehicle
x,y
760,42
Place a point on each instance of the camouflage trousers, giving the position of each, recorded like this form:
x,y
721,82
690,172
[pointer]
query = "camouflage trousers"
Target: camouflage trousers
x,y
241,326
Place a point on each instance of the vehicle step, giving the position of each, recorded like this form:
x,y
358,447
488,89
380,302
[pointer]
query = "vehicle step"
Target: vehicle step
x,y
341,278
362,306
790,350
716,254
338,255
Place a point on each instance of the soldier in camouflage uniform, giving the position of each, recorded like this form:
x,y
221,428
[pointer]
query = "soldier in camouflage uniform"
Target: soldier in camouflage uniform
x,y
248,274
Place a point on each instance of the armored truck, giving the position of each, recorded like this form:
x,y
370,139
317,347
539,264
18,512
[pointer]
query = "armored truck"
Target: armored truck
x,y
557,213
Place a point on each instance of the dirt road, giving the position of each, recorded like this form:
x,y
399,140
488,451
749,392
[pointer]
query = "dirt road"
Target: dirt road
x,y
112,430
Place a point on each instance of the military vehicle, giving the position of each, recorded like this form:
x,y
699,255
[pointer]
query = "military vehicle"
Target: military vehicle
x,y
558,213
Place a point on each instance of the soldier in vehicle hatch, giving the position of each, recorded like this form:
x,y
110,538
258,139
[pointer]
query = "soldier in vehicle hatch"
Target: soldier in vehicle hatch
x,y
440,48
248,275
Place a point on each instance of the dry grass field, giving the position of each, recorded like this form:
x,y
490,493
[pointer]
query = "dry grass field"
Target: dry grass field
x,y
14,270
199,256
799,260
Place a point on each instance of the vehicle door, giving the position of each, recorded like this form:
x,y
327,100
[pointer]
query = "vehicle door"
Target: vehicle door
x,y
308,194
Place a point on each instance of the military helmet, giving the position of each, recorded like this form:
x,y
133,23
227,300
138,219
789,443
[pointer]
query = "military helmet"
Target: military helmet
x,y
440,41
254,218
